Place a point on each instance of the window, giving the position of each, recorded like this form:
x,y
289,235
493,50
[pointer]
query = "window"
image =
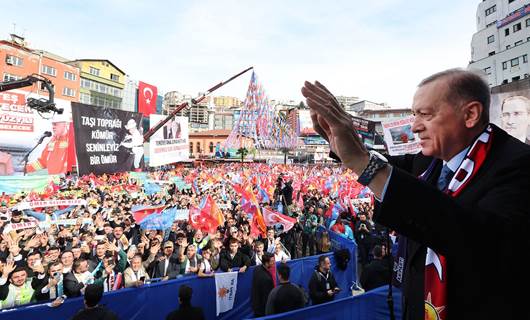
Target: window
x,y
114,77
14,60
528,22
49,70
69,76
516,27
508,46
491,53
94,71
516,78
191,147
84,98
518,42
507,31
211,147
491,24
10,77
491,39
514,62
510,1
198,147
525,58
68,92
491,10
505,65
486,70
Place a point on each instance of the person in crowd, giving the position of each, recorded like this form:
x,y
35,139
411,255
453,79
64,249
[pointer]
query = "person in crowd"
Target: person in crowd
x,y
270,242
75,282
286,296
323,243
186,311
377,273
167,266
135,275
257,255
322,284
280,254
471,175
67,260
364,240
205,267
93,310
192,261
17,291
310,223
233,258
262,284
51,287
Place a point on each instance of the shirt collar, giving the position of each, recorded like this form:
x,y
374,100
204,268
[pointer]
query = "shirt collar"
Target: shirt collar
x,y
455,161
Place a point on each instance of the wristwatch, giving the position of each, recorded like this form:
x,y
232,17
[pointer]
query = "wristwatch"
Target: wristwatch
x,y
377,162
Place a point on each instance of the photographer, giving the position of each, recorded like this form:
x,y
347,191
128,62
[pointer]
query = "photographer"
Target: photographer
x,y
363,237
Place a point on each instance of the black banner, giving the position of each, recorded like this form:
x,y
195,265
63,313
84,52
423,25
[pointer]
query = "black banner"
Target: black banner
x,y
366,129
107,140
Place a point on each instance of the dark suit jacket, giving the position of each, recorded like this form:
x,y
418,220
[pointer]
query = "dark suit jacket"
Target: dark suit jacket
x,y
262,285
72,288
375,274
186,313
239,260
173,269
482,232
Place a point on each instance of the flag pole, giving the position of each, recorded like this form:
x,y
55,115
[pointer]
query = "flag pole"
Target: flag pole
x,y
159,125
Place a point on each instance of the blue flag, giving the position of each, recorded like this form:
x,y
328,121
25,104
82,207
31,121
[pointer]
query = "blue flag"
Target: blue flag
x,y
161,221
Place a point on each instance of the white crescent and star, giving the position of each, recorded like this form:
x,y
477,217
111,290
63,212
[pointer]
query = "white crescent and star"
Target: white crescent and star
x,y
148,99
434,259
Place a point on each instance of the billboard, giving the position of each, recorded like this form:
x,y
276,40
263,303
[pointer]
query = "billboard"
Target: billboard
x,y
305,123
510,108
107,140
22,128
170,143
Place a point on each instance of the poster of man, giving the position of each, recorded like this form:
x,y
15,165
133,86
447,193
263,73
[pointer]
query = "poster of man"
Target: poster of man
x,y
133,142
58,155
510,108
22,128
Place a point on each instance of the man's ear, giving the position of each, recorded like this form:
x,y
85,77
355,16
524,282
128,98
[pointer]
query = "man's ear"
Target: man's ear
x,y
472,112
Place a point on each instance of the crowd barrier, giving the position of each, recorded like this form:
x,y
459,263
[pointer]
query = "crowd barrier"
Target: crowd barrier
x,y
368,306
156,300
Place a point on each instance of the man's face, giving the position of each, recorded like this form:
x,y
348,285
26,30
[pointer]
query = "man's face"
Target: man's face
x,y
118,232
58,268
32,259
168,250
270,234
76,252
83,267
19,278
191,252
234,247
259,248
136,263
515,118
59,129
100,250
67,259
54,254
439,124
326,265
198,235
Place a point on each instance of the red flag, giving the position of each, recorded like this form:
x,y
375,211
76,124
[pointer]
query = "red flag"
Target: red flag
x,y
146,98
272,217
141,212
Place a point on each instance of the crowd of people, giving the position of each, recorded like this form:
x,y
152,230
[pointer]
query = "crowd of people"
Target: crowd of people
x,y
43,258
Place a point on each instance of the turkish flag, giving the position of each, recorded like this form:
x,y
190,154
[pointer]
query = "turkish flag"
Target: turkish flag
x,y
146,98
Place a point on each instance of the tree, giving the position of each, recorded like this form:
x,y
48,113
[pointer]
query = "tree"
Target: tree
x,y
285,153
243,152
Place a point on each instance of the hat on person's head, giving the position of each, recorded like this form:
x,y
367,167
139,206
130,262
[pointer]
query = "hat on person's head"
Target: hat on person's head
x,y
168,244
16,212
130,124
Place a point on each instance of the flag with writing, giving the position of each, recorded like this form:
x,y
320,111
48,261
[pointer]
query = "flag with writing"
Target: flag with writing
x,y
225,291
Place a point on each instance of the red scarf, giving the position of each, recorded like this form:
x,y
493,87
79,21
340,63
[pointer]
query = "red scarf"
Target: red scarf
x,y
435,264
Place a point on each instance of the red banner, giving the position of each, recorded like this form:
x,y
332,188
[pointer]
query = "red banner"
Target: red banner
x,y
146,98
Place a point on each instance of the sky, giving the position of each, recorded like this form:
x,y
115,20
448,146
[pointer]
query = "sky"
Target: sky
x,y
375,50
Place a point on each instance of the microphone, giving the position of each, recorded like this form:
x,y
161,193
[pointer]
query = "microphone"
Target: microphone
x,y
46,134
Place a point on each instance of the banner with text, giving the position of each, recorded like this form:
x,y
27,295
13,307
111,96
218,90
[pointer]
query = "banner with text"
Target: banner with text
x,y
225,287
170,143
510,108
22,128
399,137
107,140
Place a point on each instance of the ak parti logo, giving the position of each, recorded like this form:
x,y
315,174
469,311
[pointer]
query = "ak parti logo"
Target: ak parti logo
x,y
222,292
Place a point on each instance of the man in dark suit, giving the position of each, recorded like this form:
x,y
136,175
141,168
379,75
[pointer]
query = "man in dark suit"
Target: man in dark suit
x,y
186,311
377,272
168,266
233,258
262,284
450,213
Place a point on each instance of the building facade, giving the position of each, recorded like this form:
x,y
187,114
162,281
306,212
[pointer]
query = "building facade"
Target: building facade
x,y
204,143
18,61
501,45
102,83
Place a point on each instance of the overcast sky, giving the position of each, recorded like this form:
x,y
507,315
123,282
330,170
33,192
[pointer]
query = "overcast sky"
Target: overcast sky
x,y
376,50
